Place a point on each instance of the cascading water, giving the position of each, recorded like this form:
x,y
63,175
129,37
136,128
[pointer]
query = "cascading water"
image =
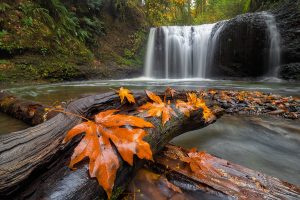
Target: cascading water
x,y
178,51
274,49
188,51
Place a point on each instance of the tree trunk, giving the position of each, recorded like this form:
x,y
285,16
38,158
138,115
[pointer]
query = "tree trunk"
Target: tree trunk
x,y
219,177
24,155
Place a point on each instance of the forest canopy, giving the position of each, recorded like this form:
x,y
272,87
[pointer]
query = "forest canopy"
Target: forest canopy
x,y
187,12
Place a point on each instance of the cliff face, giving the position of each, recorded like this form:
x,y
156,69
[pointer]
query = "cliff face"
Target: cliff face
x,y
60,40
244,42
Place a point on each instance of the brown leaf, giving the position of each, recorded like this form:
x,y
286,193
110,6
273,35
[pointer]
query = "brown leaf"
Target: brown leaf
x,y
170,91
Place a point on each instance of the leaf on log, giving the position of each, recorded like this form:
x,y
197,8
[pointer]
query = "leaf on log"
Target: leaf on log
x,y
126,133
170,91
158,108
125,93
194,103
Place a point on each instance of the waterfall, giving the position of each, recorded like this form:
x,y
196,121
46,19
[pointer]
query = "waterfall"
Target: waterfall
x,y
214,41
150,53
189,51
178,51
274,46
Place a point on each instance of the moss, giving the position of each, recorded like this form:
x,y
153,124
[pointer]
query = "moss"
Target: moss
x,y
40,42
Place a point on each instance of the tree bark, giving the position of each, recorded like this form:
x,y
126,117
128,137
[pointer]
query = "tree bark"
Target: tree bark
x,y
30,112
219,177
28,153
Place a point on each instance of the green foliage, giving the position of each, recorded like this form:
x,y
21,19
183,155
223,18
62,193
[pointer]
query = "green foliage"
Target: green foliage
x,y
33,10
27,21
4,7
247,6
185,12
4,62
2,33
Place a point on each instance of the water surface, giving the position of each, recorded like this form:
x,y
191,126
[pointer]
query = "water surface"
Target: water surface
x,y
266,144
50,93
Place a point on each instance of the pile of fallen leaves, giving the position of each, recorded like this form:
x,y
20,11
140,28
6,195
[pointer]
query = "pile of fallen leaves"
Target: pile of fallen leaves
x,y
111,129
253,102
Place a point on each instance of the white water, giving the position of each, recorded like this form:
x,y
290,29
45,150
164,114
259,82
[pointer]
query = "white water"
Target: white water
x,y
150,52
178,51
184,52
274,49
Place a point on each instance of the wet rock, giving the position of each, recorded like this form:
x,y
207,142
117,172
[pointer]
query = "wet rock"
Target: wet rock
x,y
276,112
242,50
290,71
237,53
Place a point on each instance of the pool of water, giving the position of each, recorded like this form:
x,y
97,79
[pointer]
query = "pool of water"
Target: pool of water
x,y
49,93
266,144
8,124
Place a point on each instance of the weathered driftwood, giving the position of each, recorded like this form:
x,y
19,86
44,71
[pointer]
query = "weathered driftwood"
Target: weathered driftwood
x,y
219,177
28,111
25,154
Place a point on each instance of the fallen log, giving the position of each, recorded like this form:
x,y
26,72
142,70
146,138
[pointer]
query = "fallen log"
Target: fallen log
x,y
32,113
25,154
58,181
219,177
233,102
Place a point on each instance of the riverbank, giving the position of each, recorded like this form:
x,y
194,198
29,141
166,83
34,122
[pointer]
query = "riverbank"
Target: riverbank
x,y
44,42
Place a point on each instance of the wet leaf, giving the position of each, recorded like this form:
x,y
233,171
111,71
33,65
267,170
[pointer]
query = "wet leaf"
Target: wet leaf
x,y
194,103
157,108
200,163
125,93
170,91
125,132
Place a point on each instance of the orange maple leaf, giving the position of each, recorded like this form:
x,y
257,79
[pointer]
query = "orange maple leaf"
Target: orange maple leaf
x,y
125,93
201,163
158,108
194,103
125,132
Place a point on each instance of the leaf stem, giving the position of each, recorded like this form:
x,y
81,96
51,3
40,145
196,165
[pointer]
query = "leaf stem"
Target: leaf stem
x,y
69,113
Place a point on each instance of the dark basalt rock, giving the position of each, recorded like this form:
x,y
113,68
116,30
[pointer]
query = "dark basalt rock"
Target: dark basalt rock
x,y
290,71
242,48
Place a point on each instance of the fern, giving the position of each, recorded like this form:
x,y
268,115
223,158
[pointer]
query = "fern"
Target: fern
x,y
4,7
34,11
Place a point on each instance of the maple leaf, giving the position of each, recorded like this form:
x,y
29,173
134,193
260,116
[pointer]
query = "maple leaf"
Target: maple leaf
x,y
194,103
170,91
201,163
158,108
125,93
125,132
